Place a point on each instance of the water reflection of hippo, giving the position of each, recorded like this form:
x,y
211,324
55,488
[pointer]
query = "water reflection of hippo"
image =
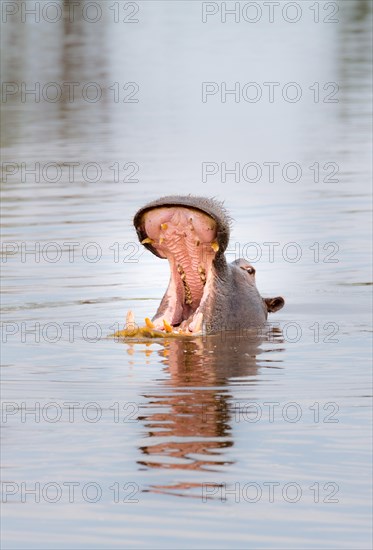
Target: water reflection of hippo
x,y
204,292
188,416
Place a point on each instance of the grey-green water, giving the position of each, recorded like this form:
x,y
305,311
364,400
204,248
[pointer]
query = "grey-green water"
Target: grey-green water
x,y
223,442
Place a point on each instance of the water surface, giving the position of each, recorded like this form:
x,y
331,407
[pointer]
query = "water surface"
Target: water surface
x,y
232,441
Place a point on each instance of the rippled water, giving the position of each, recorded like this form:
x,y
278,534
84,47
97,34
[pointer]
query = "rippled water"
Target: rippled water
x,y
231,441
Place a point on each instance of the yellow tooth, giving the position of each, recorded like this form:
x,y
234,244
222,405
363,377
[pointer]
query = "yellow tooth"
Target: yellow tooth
x,y
161,240
215,246
167,326
201,269
148,323
147,241
164,226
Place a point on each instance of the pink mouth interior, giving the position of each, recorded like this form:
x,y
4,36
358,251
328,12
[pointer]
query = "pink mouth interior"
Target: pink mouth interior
x,y
187,238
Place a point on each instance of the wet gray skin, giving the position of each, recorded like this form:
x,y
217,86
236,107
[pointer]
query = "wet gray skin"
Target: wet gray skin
x,y
205,292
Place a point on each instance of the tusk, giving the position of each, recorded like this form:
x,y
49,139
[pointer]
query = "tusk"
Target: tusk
x,y
167,326
130,318
196,325
148,323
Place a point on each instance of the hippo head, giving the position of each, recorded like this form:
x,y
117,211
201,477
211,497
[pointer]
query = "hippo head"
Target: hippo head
x,y
204,291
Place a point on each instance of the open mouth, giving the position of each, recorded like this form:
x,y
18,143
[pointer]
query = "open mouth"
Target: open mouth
x,y
204,293
188,239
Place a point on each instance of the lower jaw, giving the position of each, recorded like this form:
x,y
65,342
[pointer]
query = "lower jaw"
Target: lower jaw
x,y
149,330
178,314
188,325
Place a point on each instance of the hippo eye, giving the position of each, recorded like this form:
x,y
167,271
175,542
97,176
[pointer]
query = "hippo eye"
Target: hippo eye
x,y
250,269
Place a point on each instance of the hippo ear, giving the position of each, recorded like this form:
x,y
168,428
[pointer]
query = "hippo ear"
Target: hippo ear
x,y
274,304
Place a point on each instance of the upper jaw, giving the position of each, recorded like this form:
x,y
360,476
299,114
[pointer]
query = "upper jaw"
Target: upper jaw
x,y
209,207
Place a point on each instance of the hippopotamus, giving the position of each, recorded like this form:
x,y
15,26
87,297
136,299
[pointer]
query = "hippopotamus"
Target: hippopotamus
x,y
205,292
